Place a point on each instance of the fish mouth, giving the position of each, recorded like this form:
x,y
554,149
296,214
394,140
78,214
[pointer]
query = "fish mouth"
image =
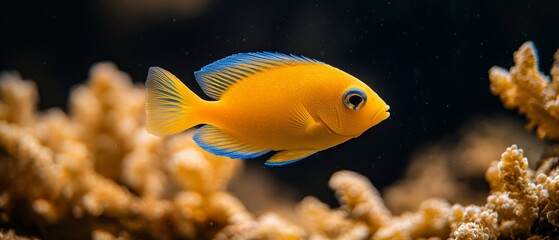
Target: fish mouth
x,y
381,115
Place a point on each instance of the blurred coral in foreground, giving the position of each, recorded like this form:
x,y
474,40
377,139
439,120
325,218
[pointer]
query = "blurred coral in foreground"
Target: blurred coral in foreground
x,y
97,172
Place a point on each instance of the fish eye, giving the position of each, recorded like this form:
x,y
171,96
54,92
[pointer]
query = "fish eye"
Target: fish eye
x,y
354,99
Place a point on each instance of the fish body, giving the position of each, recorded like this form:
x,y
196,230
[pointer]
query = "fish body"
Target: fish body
x,y
264,102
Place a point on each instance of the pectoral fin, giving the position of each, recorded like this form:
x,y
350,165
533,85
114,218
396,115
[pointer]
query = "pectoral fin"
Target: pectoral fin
x,y
301,121
288,156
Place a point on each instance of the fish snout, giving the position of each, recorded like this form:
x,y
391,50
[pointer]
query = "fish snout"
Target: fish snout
x,y
381,115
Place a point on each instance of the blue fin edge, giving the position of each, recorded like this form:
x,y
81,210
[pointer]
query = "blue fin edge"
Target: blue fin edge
x,y
255,61
224,152
275,164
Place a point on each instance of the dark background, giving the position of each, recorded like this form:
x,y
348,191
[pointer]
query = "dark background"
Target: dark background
x,y
427,59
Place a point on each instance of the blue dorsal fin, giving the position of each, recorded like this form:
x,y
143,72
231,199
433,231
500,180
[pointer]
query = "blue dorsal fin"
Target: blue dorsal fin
x,y
216,77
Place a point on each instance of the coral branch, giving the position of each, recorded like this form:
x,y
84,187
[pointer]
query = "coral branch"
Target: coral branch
x,y
360,199
325,223
526,88
517,205
430,221
19,99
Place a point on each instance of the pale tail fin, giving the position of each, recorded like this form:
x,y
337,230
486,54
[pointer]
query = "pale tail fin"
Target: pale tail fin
x,y
169,104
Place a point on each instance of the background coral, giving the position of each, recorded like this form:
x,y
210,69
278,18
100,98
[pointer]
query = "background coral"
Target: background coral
x,y
526,88
96,171
457,167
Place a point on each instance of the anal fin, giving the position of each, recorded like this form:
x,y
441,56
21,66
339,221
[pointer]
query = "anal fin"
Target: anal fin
x,y
288,156
219,143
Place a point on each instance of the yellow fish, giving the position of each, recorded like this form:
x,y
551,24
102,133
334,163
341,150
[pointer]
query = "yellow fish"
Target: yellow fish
x,y
264,102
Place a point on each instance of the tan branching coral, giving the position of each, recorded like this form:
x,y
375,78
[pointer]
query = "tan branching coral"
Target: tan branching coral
x,y
457,169
19,99
526,88
326,223
514,197
473,222
67,167
98,172
360,199
430,221
11,235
